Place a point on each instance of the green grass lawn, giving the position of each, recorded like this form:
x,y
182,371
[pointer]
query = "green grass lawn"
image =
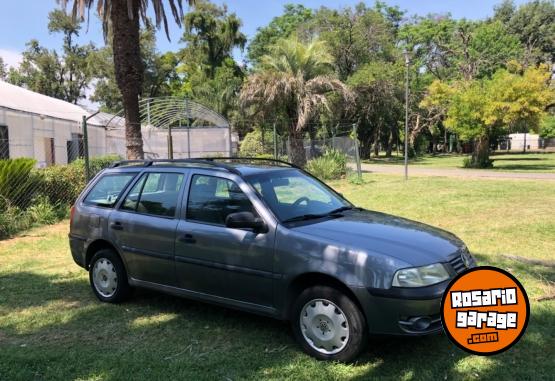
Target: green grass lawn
x,y
515,162
52,327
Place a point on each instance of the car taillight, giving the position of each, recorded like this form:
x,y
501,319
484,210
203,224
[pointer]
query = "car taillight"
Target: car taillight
x,y
71,213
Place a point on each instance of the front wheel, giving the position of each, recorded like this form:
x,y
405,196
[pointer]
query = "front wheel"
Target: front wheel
x,y
328,324
108,277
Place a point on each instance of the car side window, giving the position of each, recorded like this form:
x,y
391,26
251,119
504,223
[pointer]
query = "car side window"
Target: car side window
x,y
107,190
212,199
132,199
155,194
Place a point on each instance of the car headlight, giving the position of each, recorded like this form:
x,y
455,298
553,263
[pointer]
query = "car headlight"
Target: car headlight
x,y
420,276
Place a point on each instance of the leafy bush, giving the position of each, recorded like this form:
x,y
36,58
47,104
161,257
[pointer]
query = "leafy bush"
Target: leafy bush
x,y
96,164
331,165
42,212
61,184
11,221
17,182
251,145
547,127
37,196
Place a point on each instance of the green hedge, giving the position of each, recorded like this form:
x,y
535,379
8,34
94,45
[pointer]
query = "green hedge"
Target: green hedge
x,y
32,196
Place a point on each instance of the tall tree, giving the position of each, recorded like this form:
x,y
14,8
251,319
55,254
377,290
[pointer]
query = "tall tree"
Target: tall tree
x,y
355,36
45,71
482,109
534,24
283,26
123,18
160,73
212,32
296,78
379,104
207,71
447,48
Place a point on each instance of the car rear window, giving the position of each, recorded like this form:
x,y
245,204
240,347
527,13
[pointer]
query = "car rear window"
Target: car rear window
x,y
107,190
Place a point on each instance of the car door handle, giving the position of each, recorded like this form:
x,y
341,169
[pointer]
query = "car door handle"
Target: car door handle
x,y
116,226
187,238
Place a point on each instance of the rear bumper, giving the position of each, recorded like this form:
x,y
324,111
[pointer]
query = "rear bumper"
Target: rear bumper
x,y
77,247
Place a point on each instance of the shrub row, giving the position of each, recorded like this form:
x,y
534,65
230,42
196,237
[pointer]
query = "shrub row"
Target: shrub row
x,y
32,196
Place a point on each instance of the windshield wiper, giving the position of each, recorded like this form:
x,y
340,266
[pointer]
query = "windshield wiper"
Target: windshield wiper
x,y
306,217
339,210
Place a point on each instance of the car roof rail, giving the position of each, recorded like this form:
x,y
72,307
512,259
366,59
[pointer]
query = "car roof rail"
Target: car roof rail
x,y
151,162
209,161
261,159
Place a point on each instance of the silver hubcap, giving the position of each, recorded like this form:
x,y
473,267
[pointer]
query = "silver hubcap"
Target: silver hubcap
x,y
324,326
105,279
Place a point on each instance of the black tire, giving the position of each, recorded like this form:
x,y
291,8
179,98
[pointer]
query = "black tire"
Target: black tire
x,y
111,261
356,323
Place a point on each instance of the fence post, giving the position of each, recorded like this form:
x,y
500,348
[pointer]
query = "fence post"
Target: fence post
x,y
170,142
86,149
357,154
275,143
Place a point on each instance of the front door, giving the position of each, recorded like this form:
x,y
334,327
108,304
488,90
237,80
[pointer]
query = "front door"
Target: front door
x,y
215,260
144,226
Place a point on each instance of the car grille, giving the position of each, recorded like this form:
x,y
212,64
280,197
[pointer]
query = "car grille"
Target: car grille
x,y
457,264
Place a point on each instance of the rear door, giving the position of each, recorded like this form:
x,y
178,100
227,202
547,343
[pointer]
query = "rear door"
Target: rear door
x,y
144,225
91,215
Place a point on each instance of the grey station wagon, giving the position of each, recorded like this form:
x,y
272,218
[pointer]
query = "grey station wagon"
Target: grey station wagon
x,y
264,237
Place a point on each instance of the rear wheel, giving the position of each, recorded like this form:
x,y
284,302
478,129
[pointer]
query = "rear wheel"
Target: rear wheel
x,y
108,277
328,324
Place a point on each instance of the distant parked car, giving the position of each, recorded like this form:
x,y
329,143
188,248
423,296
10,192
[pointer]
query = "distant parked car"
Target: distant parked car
x,y
266,238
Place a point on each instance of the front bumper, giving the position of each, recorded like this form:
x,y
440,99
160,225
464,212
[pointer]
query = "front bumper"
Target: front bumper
x,y
410,311
403,311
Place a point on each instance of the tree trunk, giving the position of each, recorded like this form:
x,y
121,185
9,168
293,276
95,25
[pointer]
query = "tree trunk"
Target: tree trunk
x,y
377,142
312,136
413,134
480,156
389,146
296,147
128,70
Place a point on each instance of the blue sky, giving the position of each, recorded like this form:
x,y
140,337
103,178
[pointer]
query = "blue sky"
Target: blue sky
x,y
23,20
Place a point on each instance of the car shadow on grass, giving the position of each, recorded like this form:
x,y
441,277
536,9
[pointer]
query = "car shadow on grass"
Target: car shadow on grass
x,y
54,328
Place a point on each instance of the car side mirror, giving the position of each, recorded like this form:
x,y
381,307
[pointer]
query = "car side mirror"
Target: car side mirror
x,y
245,220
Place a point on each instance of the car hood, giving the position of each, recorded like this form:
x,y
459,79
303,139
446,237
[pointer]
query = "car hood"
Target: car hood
x,y
412,242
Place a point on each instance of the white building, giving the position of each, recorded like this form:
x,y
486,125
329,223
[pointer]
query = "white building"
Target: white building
x,y
518,141
50,131
44,128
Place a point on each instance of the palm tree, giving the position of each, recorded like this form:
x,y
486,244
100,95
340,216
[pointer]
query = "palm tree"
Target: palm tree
x,y
122,17
294,77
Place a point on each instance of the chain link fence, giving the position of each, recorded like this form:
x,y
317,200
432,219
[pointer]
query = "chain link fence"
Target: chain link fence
x,y
34,190
307,149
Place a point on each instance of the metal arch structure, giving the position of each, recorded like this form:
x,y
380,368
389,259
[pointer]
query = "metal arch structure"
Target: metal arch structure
x,y
173,113
163,112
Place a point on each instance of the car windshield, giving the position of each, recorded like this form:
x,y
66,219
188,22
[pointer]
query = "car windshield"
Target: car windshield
x,y
293,195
